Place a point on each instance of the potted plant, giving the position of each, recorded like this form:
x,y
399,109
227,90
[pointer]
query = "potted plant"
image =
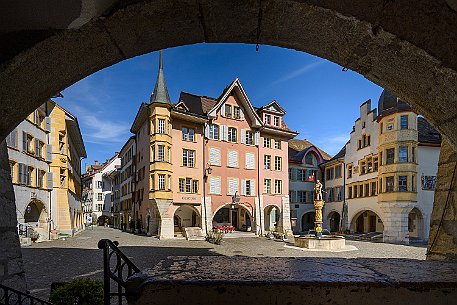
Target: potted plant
x,y
34,236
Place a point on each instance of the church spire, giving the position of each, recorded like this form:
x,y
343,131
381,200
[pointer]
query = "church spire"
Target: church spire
x,y
160,94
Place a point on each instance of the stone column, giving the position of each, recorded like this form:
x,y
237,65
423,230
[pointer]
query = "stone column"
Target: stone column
x,y
395,222
11,266
208,213
442,241
285,215
166,228
260,216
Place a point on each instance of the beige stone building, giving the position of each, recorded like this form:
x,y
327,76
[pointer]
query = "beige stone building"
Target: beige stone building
x,y
382,182
44,152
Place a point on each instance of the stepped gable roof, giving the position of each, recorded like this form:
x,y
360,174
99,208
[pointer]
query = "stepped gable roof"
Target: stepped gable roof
x,y
298,149
388,103
427,133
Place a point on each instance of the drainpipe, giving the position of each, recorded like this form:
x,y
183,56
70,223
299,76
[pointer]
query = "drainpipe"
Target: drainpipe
x,y
342,221
258,186
205,177
81,187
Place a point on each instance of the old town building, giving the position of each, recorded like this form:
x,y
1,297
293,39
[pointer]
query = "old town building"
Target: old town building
x,y
383,180
45,152
97,190
304,171
207,162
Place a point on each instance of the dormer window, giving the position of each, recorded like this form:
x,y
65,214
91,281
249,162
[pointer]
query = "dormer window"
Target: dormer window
x,y
267,119
237,112
228,111
276,120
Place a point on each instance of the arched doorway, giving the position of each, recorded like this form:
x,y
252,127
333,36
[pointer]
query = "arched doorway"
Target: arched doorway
x,y
35,214
366,222
185,216
416,224
272,217
234,215
103,220
307,221
334,219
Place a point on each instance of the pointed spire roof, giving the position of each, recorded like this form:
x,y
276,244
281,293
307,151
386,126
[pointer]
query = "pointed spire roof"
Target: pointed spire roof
x,y
160,93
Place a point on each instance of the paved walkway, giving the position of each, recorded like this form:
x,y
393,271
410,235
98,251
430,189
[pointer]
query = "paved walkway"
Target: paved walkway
x,y
79,257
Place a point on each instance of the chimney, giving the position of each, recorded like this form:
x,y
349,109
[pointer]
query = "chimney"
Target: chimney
x,y
96,162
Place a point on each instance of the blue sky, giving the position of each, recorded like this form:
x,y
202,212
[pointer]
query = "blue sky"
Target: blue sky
x,y
322,101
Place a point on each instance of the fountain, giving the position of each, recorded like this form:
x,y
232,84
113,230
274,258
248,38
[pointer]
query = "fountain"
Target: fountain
x,y
320,241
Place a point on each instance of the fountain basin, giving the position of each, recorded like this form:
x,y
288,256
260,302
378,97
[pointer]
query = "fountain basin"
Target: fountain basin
x,y
326,242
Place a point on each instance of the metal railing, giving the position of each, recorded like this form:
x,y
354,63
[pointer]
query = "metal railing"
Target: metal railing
x,y
10,296
117,268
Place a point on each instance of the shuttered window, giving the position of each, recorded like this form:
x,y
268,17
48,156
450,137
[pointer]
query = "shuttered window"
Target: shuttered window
x,y
232,186
215,185
214,156
250,161
248,187
232,158
11,139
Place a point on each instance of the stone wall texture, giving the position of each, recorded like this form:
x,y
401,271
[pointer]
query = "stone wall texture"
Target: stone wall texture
x,y
443,225
11,267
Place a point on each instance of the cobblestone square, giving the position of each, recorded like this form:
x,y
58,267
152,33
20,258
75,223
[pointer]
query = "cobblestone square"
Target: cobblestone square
x,y
79,257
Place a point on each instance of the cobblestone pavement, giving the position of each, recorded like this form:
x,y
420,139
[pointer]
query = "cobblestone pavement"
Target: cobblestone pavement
x,y
79,257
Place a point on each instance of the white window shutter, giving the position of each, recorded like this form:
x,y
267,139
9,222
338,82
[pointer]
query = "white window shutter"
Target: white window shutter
x,y
252,185
214,156
250,161
223,110
257,138
224,130
241,114
207,131
243,136
24,141
243,187
49,152
49,183
37,146
47,122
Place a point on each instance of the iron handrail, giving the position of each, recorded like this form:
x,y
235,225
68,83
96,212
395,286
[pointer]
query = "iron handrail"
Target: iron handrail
x,y
116,272
10,296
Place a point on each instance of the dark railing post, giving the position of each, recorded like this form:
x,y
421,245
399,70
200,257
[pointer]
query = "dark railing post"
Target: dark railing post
x,y
109,249
10,296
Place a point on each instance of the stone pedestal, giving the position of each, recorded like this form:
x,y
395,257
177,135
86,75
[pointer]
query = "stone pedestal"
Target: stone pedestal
x,y
396,222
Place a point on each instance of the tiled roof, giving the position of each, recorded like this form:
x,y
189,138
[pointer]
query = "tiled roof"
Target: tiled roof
x,y
196,104
427,134
298,148
340,154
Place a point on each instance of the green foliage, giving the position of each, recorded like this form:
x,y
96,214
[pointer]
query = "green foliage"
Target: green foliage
x,y
78,292
215,236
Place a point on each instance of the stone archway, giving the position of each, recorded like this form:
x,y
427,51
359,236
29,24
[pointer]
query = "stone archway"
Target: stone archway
x,y
185,216
334,220
35,213
272,216
367,221
238,215
416,225
307,221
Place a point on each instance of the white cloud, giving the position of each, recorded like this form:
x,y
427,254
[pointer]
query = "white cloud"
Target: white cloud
x,y
298,72
332,144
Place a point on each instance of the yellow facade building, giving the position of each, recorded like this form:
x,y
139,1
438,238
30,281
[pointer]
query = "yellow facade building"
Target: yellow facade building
x,y
67,151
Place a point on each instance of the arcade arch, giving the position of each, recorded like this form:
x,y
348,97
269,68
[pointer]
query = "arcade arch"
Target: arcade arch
x,y
367,221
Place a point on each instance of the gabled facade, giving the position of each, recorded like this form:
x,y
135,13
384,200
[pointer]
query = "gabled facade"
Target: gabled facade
x,y
387,171
304,171
201,163
97,189
45,152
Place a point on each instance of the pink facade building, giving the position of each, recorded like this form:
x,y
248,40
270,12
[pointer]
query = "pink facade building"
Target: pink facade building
x,y
207,162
